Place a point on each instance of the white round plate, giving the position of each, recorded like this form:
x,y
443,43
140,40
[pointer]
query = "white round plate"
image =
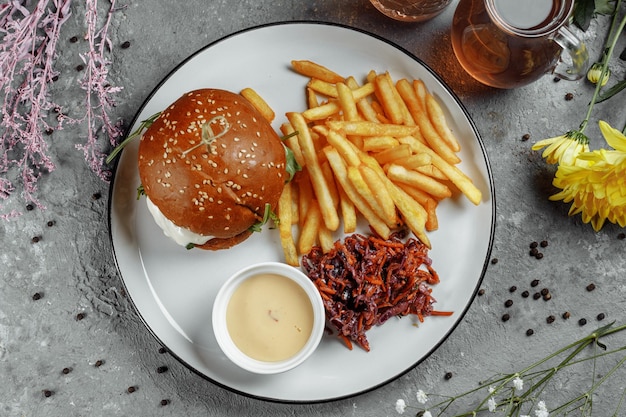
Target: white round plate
x,y
173,288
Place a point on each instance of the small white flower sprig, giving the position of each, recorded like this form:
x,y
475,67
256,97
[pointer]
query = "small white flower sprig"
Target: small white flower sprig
x,y
519,394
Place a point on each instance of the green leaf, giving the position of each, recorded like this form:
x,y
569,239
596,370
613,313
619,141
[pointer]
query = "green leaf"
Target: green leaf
x,y
584,12
605,6
610,92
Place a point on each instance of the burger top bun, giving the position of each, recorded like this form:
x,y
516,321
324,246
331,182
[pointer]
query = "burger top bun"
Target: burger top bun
x,y
210,163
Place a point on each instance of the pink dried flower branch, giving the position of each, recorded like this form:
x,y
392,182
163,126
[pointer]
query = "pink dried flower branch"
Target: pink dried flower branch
x,y
27,53
28,49
95,83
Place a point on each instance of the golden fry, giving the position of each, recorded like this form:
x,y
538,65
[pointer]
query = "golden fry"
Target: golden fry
x,y
361,187
379,143
398,173
438,120
341,174
259,103
322,87
345,148
414,161
384,92
390,155
310,229
347,103
292,142
284,226
454,174
314,70
348,212
377,186
425,126
321,188
325,238
366,128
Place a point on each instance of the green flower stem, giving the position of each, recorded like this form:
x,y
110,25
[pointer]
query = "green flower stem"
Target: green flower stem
x,y
611,41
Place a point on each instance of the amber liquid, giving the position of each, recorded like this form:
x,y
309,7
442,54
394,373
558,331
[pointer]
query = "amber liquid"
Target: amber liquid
x,y
495,57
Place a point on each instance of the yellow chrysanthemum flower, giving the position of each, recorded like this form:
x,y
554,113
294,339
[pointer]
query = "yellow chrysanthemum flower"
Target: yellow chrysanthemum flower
x,y
596,188
563,149
595,72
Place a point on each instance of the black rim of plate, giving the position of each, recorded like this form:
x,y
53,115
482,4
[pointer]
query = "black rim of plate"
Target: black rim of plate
x,y
491,232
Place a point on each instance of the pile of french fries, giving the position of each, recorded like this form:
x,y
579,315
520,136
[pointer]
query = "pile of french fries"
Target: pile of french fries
x,y
381,149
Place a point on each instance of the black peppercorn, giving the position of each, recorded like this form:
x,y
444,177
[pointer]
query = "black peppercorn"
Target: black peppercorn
x,y
530,332
566,315
600,316
30,207
99,363
74,39
525,294
161,369
569,96
533,245
525,137
508,303
533,252
37,296
534,283
80,67
125,45
544,291
547,297
513,289
544,243
80,316
51,223
96,196
47,393
131,389
494,261
591,287
536,296
162,350
448,375
506,317
550,319
164,402
621,236
582,321
539,255
481,292
35,239
66,371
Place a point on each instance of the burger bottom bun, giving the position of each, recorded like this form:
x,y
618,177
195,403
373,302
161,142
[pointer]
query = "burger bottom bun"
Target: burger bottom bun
x,y
225,243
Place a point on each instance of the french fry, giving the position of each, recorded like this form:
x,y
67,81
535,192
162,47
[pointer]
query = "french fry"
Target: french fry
x,y
347,103
322,87
348,212
390,155
363,104
305,194
321,188
377,186
325,238
361,187
311,98
323,111
426,201
413,214
384,92
259,103
292,142
314,70
284,226
345,148
421,91
454,174
341,174
431,171
310,228
379,143
438,120
414,161
425,126
398,173
366,128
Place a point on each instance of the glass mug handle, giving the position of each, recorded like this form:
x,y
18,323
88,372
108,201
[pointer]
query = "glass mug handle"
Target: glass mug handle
x,y
578,53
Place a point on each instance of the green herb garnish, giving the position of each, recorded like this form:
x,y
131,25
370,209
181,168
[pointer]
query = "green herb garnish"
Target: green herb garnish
x,y
267,215
142,126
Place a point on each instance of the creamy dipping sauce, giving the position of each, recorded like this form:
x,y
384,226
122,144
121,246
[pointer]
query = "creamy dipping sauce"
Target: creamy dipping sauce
x,y
269,317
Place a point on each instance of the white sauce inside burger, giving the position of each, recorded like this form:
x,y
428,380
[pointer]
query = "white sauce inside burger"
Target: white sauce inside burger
x,y
180,235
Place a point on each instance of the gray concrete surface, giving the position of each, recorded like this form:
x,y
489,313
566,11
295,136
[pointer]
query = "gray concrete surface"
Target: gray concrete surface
x,y
73,269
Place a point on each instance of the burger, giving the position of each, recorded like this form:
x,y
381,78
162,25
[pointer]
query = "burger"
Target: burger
x,y
211,168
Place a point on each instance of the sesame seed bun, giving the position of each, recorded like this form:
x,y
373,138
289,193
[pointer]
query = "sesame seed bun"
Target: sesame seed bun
x,y
210,162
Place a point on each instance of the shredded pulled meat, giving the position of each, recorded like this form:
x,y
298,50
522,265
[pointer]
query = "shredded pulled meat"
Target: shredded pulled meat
x,y
365,280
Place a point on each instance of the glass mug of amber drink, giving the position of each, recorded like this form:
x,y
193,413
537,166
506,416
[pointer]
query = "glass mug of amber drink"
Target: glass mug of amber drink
x,y
511,43
411,10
